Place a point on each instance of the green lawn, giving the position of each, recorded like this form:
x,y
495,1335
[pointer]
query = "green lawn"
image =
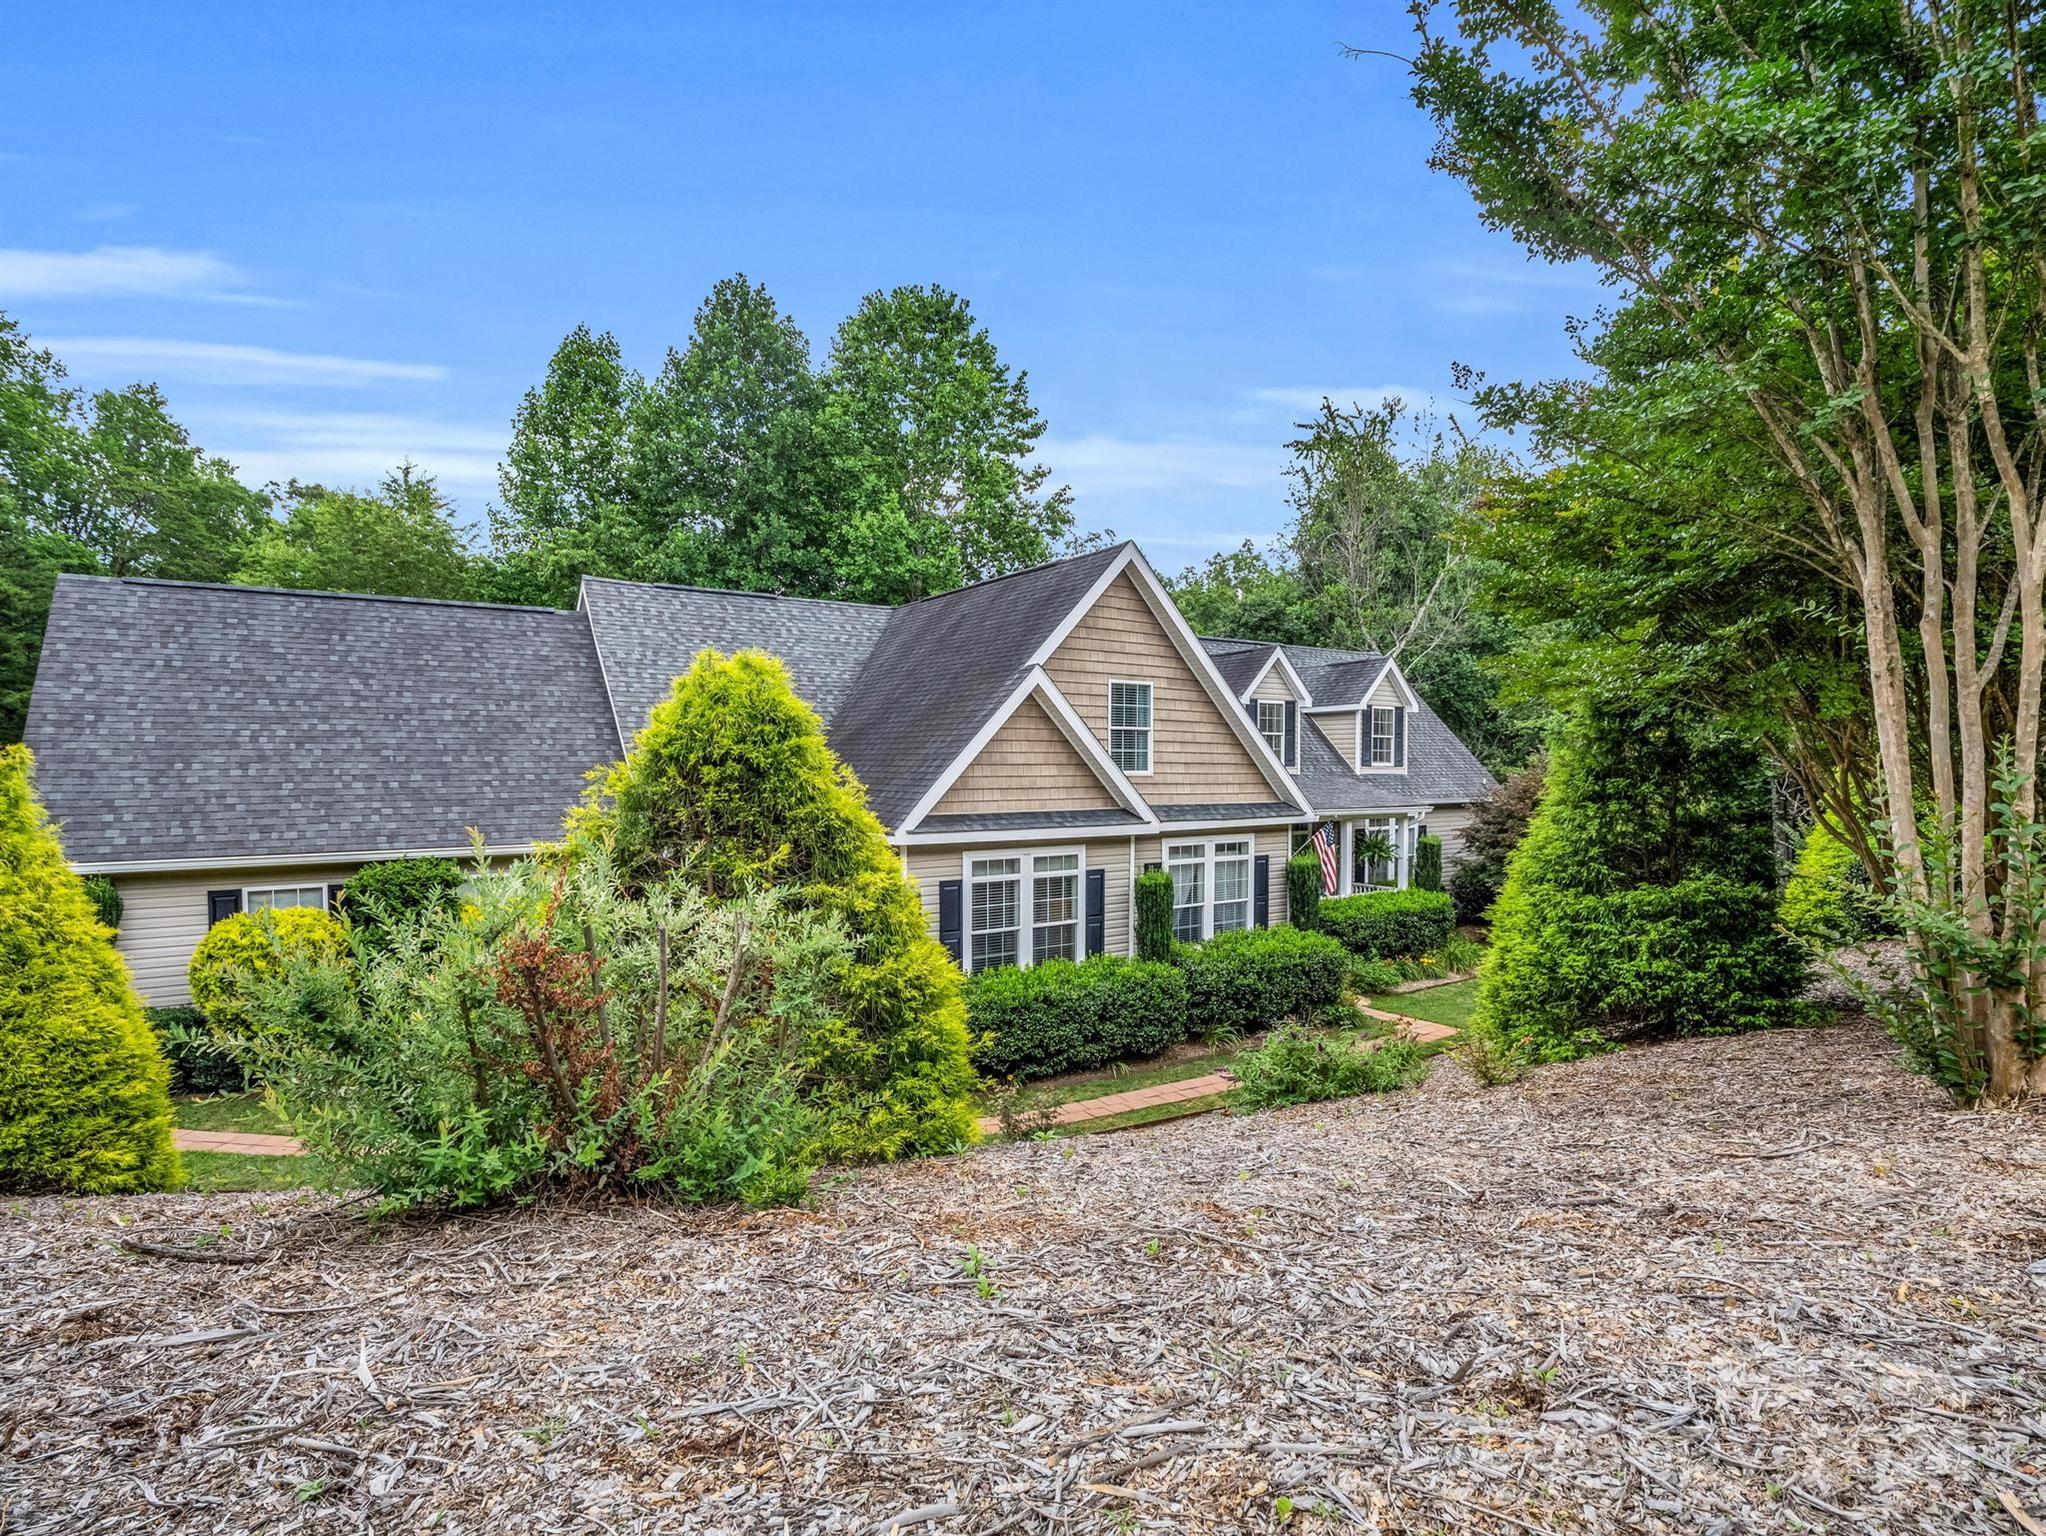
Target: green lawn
x,y
228,1112
236,1172
1450,1004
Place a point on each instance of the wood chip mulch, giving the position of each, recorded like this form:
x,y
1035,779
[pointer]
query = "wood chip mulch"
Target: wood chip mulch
x,y
1758,1284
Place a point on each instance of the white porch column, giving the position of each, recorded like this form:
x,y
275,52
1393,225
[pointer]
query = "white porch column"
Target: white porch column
x,y
1345,875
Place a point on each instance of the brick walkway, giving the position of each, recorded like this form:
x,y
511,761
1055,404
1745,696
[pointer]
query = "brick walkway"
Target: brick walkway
x,y
1081,1110
236,1141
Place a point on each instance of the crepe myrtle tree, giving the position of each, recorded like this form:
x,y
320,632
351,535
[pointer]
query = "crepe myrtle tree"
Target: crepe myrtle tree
x,y
1834,214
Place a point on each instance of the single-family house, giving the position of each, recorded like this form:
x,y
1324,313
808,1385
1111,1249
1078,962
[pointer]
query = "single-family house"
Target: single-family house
x,y
1032,743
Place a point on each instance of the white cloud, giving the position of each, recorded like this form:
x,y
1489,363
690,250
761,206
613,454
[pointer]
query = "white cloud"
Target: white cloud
x,y
351,448
1369,396
102,213
126,271
209,362
1098,463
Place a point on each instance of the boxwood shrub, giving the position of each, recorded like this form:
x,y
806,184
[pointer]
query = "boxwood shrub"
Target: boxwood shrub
x,y
1390,925
1067,1017
1243,981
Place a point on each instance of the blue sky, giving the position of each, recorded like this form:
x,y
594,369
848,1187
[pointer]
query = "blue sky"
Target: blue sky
x,y
338,236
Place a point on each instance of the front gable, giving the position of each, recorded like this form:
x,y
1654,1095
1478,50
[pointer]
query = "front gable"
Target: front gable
x,y
1197,755
1028,765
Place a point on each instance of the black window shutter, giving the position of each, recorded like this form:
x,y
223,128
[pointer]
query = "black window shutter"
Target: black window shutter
x,y
1261,890
222,904
950,897
333,898
1399,738
1097,911
1154,864
1292,734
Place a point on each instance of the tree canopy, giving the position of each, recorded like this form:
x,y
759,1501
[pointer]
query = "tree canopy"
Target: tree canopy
x,y
401,542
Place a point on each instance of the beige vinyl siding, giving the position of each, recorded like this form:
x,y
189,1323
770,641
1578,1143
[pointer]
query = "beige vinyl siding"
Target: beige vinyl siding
x,y
1274,686
1448,823
930,866
1387,692
1028,766
1342,734
163,918
1195,755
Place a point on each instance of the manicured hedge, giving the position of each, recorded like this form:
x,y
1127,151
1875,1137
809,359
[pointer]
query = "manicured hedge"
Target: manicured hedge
x,y
1303,890
250,947
1066,1017
1427,863
1240,982
1390,925
1154,915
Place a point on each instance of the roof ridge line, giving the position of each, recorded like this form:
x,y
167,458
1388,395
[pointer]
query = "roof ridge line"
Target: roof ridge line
x,y
990,581
358,597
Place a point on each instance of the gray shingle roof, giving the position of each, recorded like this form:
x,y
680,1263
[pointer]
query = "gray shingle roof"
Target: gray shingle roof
x,y
1235,810
648,635
1239,661
940,668
1006,821
174,720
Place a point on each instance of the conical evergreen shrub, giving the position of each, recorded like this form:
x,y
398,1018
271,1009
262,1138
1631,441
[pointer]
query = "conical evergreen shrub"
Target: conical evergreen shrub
x,y
732,784
84,1092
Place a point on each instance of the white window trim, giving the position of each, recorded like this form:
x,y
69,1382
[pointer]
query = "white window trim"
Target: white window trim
x,y
271,890
1280,745
1026,907
1207,864
1150,731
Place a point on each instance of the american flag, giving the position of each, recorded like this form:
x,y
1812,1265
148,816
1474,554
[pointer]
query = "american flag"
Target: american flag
x,y
1325,850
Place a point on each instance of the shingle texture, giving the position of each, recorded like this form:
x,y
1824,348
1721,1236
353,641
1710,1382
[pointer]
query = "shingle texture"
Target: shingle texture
x,y
939,670
1239,661
1008,821
648,636
1226,811
177,721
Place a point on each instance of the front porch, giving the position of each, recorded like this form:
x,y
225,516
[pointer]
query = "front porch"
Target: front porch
x,y
1355,840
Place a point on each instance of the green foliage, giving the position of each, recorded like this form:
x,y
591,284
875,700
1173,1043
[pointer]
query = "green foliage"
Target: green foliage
x,y
84,1102
731,785
1368,976
1240,982
240,951
1299,1066
1390,925
1427,874
1497,824
402,542
1065,1017
105,897
1828,899
1640,901
1491,1059
1303,890
1153,899
379,898
199,1061
557,1034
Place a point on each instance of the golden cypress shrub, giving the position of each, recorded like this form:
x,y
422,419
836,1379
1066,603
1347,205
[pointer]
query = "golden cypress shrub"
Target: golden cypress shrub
x,y
251,947
84,1092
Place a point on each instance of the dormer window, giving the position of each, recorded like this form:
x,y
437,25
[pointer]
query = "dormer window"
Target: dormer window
x,y
1271,724
1388,737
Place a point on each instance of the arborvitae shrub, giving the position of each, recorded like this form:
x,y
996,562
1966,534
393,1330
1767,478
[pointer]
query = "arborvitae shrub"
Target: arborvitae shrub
x,y
1303,890
1427,863
1065,1017
105,897
249,947
1640,901
84,1101
1390,925
732,786
1153,899
381,897
1240,982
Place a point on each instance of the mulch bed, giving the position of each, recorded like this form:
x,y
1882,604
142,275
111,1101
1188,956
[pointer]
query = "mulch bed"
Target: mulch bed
x,y
1755,1284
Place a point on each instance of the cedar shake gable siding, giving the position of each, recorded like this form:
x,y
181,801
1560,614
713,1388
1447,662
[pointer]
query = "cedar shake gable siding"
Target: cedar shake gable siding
x,y
1027,766
1195,755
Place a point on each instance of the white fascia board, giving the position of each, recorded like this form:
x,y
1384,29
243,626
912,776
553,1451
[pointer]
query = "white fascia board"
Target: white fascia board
x,y
1293,681
1060,835
1196,656
294,860
603,670
1032,682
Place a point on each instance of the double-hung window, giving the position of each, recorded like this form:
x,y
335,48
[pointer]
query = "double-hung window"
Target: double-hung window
x,y
256,898
1023,908
1382,737
1232,886
1271,724
1129,726
1187,863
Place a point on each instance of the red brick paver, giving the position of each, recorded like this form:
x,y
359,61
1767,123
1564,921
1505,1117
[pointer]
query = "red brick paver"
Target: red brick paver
x,y
236,1141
